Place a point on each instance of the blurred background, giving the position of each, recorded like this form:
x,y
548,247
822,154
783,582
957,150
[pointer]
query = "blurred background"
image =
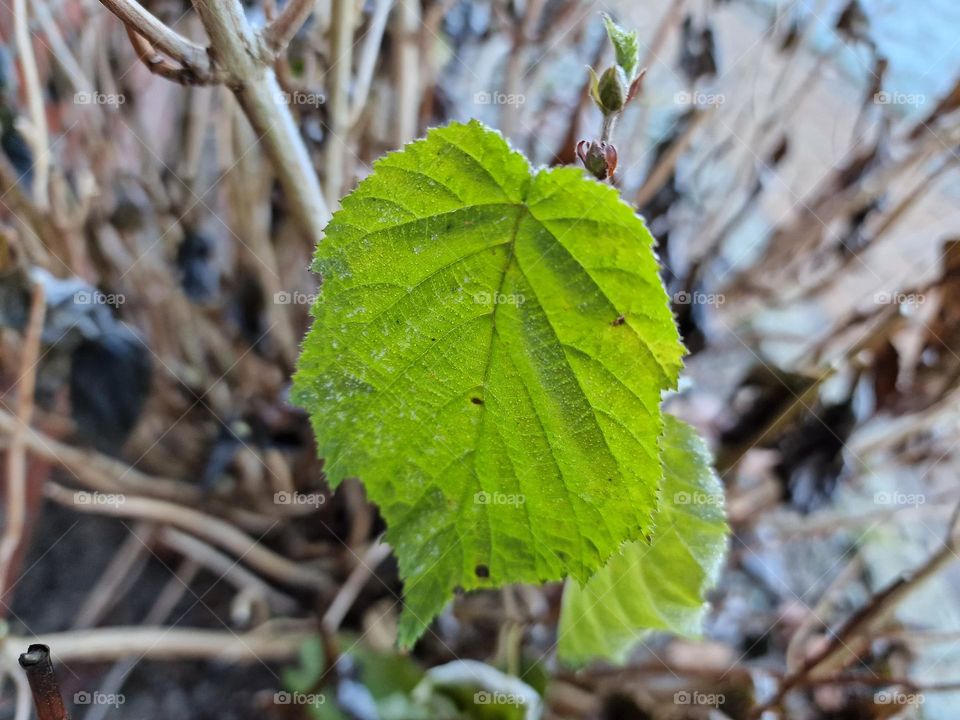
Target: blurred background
x,y
167,528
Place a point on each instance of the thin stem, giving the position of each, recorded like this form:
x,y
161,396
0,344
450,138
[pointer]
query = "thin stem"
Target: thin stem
x,y
43,683
606,129
16,496
338,96
38,136
184,51
208,527
272,641
406,67
278,34
369,54
247,62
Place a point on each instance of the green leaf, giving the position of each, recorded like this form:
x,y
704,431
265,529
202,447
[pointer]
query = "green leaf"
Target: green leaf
x,y
660,586
626,46
487,355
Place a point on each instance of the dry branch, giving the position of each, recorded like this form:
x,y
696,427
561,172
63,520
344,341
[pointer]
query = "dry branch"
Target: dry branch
x,y
43,683
278,34
212,529
164,643
189,54
16,489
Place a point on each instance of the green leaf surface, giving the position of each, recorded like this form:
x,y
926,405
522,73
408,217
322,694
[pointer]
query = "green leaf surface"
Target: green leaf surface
x,y
488,353
660,586
626,46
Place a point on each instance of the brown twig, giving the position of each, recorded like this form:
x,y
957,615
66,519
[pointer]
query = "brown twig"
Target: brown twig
x,y
247,62
38,136
43,683
16,495
368,56
161,65
406,69
212,529
244,61
278,34
190,55
338,97
852,635
96,471
337,610
163,643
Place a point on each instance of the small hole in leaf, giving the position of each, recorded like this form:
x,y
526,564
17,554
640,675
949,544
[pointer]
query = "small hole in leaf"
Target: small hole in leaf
x,y
482,571
476,401
619,321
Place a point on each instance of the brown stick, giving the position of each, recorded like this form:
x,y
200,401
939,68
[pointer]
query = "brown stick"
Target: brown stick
x,y
43,683
247,61
96,471
278,34
212,529
186,52
851,637
272,641
244,61
16,496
